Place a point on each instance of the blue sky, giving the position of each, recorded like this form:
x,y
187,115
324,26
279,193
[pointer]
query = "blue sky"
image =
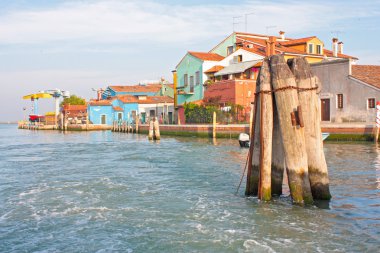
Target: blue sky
x,y
79,45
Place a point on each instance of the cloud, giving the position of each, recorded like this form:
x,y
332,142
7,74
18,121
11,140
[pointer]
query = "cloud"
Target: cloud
x,y
145,22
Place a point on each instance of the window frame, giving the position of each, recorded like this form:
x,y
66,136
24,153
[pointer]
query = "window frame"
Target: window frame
x,y
311,46
319,49
339,101
197,78
185,80
230,50
368,103
191,81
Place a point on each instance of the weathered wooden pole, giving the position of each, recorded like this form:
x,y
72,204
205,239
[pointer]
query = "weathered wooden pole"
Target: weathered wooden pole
x,y
254,149
278,158
156,134
251,111
137,124
309,101
151,129
377,126
266,130
286,98
214,125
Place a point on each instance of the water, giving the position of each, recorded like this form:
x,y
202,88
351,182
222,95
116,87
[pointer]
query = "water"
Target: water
x,y
105,192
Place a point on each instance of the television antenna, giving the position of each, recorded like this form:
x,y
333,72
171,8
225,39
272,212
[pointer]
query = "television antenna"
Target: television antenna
x,y
246,19
269,27
234,22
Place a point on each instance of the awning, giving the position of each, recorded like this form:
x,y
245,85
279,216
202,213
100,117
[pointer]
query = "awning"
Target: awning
x,y
239,67
37,95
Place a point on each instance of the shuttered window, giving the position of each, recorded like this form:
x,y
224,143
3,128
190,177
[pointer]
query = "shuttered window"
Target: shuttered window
x,y
339,100
371,103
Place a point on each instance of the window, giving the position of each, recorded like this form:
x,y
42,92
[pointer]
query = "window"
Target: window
x,y
197,78
119,116
191,83
319,49
311,46
339,101
185,81
230,50
371,103
240,58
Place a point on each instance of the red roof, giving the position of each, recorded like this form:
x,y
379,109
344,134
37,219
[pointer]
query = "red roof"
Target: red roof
x,y
137,88
130,99
100,102
207,56
369,74
296,41
117,108
329,53
69,107
214,69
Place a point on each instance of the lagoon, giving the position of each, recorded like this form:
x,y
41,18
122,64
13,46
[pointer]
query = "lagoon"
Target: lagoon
x,y
104,192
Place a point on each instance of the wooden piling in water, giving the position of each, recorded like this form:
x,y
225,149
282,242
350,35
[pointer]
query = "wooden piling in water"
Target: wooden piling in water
x,y
151,129
266,131
309,101
156,131
286,98
278,158
137,124
214,125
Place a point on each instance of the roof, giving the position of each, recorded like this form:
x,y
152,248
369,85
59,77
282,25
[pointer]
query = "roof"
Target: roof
x,y
137,88
369,74
207,56
329,53
69,107
100,102
117,108
214,69
170,85
296,41
237,68
130,99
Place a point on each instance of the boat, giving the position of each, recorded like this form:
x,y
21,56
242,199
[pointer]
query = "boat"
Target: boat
x,y
244,139
324,136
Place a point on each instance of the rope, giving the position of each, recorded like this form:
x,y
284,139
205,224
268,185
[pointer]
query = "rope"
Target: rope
x,y
286,88
245,168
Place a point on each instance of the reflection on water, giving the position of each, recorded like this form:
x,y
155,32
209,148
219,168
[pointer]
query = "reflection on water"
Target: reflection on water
x,y
103,191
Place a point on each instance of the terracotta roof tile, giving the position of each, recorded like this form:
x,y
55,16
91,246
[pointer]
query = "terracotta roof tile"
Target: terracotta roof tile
x,y
117,108
329,53
137,88
369,74
100,102
74,107
296,41
214,69
206,56
156,100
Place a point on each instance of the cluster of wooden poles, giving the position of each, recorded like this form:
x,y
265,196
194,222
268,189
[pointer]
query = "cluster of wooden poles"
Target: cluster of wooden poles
x,y
287,133
125,127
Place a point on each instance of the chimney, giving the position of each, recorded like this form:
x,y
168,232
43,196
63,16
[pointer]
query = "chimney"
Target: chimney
x,y
282,35
335,47
100,92
340,48
270,46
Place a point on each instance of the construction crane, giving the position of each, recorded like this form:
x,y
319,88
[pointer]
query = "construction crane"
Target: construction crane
x,y
56,94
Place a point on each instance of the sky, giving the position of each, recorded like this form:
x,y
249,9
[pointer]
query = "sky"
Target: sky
x,y
80,45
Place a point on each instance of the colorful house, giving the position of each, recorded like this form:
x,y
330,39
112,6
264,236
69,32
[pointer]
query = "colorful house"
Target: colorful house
x,y
117,90
190,75
126,107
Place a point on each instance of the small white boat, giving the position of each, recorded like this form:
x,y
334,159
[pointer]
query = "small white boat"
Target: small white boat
x,y
324,136
244,140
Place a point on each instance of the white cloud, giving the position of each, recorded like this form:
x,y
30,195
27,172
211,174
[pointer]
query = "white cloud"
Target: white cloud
x,y
146,21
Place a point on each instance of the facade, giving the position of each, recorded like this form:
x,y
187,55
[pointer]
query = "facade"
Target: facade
x,y
349,92
125,108
238,57
191,76
75,113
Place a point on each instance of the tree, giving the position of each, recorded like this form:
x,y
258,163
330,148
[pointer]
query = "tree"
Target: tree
x,y
73,100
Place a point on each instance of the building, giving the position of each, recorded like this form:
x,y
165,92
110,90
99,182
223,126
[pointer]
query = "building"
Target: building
x,y
126,107
349,92
76,114
229,70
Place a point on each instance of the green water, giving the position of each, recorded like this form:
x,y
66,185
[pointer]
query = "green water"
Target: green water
x,y
115,192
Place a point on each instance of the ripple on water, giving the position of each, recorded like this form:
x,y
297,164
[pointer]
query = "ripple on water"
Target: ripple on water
x,y
102,192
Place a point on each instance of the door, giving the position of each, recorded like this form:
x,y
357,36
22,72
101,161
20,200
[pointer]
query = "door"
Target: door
x,y
325,109
143,115
103,119
119,116
170,115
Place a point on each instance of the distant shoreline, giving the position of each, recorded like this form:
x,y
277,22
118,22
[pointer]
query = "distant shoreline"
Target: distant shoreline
x,y
8,123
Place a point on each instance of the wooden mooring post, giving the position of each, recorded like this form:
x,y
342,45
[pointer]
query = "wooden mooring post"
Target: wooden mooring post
x,y
287,134
309,101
